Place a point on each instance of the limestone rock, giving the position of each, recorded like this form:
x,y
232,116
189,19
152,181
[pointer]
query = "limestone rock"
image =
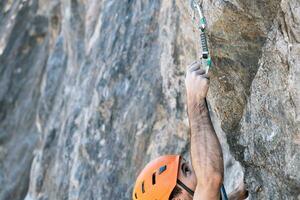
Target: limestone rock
x,y
93,90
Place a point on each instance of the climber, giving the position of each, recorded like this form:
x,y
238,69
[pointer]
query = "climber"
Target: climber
x,y
171,176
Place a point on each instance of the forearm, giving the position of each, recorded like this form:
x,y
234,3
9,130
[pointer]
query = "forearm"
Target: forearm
x,y
206,151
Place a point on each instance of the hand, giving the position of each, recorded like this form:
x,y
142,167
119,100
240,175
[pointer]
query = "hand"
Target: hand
x,y
196,83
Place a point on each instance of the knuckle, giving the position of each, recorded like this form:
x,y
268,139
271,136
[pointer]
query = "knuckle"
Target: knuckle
x,y
206,81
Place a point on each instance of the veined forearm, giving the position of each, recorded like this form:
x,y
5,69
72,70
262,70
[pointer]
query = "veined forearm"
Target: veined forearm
x,y
206,151
205,147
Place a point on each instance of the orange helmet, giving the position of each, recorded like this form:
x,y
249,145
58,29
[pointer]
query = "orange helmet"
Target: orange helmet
x,y
158,179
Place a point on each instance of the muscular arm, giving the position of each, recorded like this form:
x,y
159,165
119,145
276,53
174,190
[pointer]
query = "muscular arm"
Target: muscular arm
x,y
206,151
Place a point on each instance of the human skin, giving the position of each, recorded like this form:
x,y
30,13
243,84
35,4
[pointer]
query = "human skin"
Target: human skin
x,y
186,174
206,152
205,176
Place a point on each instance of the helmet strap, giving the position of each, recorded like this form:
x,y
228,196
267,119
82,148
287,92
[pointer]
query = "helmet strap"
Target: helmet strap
x,y
191,192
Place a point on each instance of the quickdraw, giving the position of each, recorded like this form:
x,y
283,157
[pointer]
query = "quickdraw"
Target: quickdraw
x,y
206,59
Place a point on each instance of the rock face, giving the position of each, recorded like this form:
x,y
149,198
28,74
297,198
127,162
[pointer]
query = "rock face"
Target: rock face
x,y
270,129
93,90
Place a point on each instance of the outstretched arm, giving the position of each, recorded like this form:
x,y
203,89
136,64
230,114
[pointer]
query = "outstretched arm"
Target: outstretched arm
x,y
207,158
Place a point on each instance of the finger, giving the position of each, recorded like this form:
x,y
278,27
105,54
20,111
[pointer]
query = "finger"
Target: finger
x,y
200,72
206,80
207,76
194,66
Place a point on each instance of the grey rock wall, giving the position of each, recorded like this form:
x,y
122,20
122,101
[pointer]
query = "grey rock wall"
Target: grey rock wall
x,y
93,90
271,124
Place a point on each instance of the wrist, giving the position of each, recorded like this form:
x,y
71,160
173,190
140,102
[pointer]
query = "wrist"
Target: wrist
x,y
196,107
194,103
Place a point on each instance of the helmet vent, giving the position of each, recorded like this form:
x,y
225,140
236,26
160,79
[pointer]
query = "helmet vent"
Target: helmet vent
x,y
143,187
135,195
153,179
162,169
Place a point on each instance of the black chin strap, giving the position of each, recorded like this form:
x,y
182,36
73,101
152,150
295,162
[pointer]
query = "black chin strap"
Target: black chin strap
x,y
191,192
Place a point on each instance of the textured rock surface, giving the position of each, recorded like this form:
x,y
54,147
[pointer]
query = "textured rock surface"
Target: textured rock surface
x,y
270,129
92,90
